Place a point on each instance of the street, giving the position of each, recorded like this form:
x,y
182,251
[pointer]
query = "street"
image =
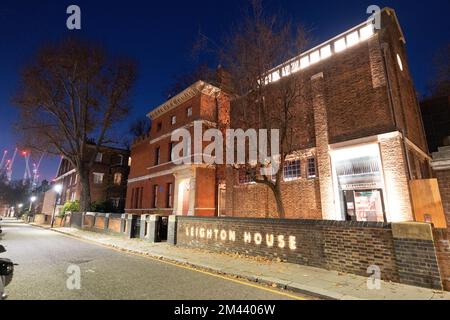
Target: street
x,y
44,258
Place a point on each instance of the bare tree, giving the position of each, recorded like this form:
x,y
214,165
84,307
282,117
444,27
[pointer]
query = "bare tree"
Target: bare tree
x,y
440,83
140,127
70,97
268,98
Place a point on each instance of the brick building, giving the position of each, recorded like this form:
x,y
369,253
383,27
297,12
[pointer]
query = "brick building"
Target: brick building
x,y
156,184
360,139
363,139
108,178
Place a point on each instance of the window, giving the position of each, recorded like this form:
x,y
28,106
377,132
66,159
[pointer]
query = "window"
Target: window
x,y
169,195
292,170
73,196
98,178
155,196
400,63
189,111
117,178
159,126
246,176
99,157
340,45
157,156
170,151
115,202
173,120
352,39
117,160
311,169
129,161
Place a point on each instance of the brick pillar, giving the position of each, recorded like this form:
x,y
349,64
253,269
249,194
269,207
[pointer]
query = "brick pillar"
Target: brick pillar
x,y
143,226
415,255
172,230
376,62
153,226
322,146
106,225
129,225
123,223
398,202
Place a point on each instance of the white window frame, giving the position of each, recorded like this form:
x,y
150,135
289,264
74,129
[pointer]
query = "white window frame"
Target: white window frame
x,y
99,155
98,175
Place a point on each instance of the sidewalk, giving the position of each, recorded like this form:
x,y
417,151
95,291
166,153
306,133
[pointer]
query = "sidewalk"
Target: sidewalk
x,y
313,281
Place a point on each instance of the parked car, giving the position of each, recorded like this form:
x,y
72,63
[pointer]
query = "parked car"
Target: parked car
x,y
6,273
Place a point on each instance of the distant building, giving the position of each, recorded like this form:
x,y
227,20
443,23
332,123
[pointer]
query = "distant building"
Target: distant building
x,y
108,179
436,119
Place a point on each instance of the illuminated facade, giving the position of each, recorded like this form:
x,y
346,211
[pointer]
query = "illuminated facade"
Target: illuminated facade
x,y
361,138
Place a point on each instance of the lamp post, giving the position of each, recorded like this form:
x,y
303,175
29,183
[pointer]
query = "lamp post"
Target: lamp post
x,y
32,199
58,189
20,206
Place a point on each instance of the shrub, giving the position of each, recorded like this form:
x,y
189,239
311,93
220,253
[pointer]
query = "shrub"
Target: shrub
x,y
70,206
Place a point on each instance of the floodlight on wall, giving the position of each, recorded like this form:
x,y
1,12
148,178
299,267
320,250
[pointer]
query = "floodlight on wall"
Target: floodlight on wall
x,y
340,45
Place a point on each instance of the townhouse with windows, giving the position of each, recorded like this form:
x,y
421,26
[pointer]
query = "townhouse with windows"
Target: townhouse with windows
x,y
108,179
156,185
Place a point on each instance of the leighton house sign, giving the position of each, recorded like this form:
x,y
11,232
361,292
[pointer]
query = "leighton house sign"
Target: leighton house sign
x,y
268,240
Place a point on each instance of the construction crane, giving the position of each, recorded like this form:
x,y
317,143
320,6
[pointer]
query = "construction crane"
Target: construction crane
x,y
27,173
5,153
9,166
36,167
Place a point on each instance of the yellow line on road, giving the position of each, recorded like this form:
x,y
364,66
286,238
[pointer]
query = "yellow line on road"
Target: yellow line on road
x,y
182,266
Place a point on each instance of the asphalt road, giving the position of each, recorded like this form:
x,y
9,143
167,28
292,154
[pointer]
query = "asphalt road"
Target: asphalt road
x,y
44,258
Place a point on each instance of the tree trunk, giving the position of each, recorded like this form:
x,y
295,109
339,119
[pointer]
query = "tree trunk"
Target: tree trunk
x,y
85,193
279,201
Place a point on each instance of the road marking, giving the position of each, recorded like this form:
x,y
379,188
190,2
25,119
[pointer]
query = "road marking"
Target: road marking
x,y
180,265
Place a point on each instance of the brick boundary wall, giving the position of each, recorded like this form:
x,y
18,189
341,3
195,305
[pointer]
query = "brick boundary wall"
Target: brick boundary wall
x,y
350,247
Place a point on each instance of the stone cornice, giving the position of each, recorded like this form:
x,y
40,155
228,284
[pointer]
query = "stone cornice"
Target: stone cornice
x,y
185,95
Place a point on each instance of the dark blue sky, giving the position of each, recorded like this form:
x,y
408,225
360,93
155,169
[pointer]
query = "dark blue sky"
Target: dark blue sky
x,y
160,35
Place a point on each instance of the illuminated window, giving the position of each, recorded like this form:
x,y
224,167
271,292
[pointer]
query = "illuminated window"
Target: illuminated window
x,y
129,161
399,61
276,76
98,178
304,62
99,157
314,57
352,39
117,178
292,170
340,45
311,168
325,52
189,111
366,32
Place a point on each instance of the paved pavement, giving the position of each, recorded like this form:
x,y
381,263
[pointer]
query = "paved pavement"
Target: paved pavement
x,y
308,280
44,257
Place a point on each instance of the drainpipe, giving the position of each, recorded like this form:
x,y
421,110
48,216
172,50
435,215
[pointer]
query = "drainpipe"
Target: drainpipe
x,y
384,48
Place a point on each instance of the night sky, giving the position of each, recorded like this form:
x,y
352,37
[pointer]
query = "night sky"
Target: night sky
x,y
159,36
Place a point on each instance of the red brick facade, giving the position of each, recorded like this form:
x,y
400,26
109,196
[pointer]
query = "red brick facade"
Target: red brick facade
x,y
113,168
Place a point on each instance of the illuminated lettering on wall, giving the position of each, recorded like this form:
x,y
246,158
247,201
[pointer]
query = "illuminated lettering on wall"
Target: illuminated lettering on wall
x,y
268,240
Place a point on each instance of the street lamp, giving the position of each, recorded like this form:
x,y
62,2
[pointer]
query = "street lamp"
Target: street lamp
x,y
32,199
58,189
